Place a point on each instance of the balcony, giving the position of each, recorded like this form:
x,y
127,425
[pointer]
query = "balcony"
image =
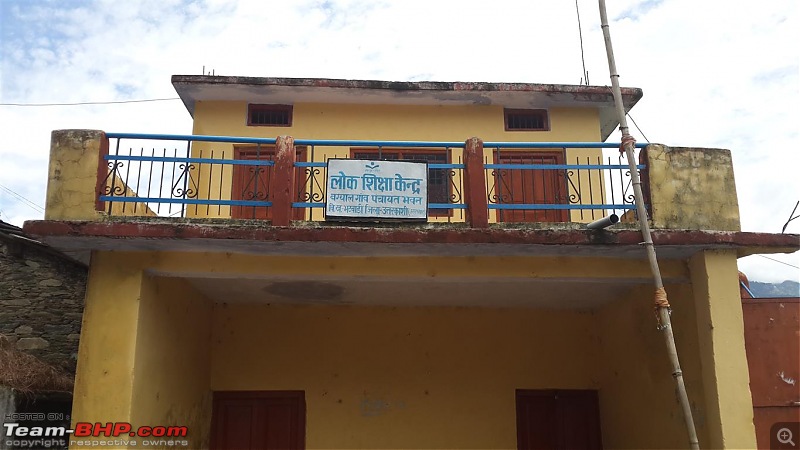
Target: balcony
x,y
241,178
237,178
281,181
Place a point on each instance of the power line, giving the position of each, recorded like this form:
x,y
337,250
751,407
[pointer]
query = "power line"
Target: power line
x,y
23,200
92,103
777,261
585,74
637,127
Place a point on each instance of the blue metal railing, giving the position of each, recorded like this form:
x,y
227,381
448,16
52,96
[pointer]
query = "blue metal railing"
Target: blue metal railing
x,y
198,177
542,186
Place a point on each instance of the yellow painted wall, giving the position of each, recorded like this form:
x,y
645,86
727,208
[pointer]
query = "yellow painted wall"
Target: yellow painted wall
x,y
692,188
720,329
144,349
137,209
72,175
171,374
249,265
447,374
104,383
385,122
403,377
638,401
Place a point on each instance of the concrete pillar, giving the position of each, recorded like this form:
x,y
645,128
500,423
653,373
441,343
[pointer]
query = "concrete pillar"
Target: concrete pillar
x,y
104,381
691,188
720,341
77,169
283,184
475,184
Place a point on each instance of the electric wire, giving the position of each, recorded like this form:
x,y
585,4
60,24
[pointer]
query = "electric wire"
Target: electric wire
x,y
637,127
585,76
117,102
23,200
778,261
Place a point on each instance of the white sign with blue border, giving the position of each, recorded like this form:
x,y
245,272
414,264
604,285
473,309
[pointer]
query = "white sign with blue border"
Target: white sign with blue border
x,y
365,189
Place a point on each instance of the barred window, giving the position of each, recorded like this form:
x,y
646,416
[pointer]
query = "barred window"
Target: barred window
x,y
526,120
269,115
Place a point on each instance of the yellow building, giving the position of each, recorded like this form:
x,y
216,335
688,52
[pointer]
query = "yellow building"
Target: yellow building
x,y
226,295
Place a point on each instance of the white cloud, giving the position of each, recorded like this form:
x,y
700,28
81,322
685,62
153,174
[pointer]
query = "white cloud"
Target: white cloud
x,y
714,74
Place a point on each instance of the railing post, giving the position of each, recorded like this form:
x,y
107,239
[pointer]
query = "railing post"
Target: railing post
x,y
283,184
102,172
475,184
76,165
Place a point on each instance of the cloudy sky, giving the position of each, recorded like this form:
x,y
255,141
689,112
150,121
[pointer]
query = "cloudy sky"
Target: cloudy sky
x,y
715,73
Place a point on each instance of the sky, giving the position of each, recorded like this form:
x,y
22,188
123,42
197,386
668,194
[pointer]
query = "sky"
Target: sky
x,y
715,73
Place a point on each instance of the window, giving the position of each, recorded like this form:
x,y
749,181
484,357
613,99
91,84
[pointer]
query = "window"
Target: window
x,y
438,185
269,115
526,120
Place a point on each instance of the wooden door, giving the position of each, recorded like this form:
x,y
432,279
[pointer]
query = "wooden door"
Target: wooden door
x,y
253,182
245,420
521,186
558,419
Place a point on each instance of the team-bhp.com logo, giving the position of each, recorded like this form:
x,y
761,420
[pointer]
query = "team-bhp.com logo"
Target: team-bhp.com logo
x,y
42,435
87,429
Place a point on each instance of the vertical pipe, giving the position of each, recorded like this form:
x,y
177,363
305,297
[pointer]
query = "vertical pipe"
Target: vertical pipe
x,y
661,303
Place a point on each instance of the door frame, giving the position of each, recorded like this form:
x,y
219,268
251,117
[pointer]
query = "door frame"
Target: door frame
x,y
250,395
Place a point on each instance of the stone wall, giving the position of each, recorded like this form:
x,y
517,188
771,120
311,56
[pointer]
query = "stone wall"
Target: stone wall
x,y
41,301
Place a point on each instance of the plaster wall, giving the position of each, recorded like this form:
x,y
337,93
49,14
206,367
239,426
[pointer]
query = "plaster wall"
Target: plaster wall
x,y
692,188
720,330
379,376
72,175
403,377
171,371
387,122
638,401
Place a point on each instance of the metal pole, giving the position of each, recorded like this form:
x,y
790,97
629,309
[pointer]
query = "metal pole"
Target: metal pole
x,y
661,304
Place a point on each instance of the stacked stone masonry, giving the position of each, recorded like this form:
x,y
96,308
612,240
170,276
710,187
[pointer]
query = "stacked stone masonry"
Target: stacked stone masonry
x,y
41,301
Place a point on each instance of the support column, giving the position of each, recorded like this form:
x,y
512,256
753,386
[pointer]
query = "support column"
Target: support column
x,y
283,184
75,174
720,342
475,184
104,381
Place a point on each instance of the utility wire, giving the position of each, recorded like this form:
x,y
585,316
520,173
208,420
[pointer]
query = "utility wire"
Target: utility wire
x,y
585,76
637,127
92,103
778,261
23,200
791,217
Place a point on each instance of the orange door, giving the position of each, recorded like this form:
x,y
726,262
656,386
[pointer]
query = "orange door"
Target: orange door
x,y
253,183
525,186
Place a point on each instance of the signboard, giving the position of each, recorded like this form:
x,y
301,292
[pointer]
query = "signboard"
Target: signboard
x,y
364,189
